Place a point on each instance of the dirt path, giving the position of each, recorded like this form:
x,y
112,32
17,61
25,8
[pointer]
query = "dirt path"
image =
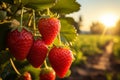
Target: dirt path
x,y
104,59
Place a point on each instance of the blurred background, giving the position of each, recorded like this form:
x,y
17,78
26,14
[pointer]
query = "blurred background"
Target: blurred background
x,y
98,43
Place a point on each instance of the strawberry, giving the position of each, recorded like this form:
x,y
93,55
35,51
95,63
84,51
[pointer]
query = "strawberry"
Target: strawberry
x,y
37,53
19,43
61,60
47,74
49,28
26,76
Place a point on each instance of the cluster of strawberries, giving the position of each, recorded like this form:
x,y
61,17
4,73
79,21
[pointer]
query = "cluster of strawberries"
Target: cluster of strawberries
x,y
22,46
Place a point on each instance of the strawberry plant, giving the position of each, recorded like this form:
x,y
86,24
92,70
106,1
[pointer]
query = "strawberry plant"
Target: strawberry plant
x,y
35,39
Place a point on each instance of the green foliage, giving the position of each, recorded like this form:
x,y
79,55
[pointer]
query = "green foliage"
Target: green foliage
x,y
97,28
4,56
39,4
86,45
55,5
33,71
7,1
2,14
66,6
117,28
7,72
68,32
4,28
116,48
4,63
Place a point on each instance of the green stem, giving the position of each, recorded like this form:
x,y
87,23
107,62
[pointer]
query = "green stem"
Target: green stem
x,y
59,39
45,63
48,11
34,23
21,17
30,20
12,63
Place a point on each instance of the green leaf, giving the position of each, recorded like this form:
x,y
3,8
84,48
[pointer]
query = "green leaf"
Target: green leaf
x,y
7,1
39,4
66,6
4,56
68,73
4,29
2,14
8,73
68,32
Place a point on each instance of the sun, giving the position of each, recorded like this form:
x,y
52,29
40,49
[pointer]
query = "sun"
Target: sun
x,y
109,20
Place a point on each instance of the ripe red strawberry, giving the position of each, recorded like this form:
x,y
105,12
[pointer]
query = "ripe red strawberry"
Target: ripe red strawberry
x,y
37,53
19,43
47,74
49,28
61,60
25,76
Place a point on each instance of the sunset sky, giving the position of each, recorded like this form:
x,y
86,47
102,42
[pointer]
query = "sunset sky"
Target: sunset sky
x,y
93,10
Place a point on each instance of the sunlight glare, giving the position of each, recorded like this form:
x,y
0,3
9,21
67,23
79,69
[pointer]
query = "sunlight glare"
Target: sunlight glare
x,y
109,20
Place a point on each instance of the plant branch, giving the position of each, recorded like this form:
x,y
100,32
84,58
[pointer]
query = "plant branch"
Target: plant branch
x,y
21,17
48,11
45,63
12,63
34,23
59,39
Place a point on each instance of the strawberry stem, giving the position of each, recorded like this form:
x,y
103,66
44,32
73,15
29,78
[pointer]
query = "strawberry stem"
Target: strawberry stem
x,y
48,11
30,21
13,65
59,39
45,63
34,23
21,18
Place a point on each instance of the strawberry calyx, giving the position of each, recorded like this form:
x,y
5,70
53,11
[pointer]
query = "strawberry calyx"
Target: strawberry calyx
x,y
38,37
44,16
49,14
46,70
19,29
60,46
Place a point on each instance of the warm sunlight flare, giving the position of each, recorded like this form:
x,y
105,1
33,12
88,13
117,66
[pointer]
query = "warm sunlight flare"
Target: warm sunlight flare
x,y
109,20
